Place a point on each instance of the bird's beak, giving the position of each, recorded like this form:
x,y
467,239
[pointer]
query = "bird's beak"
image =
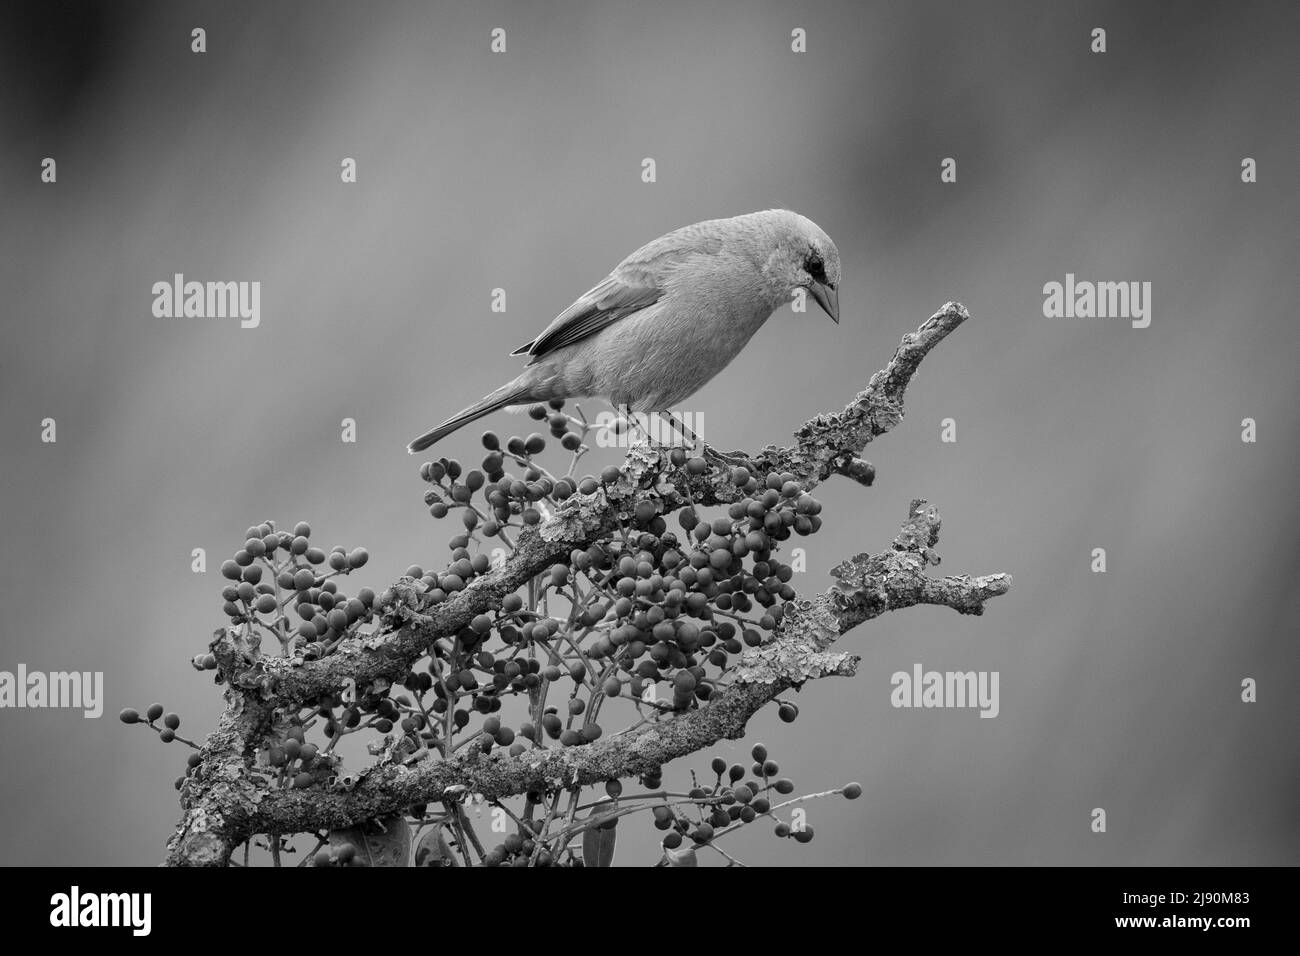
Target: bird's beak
x,y
828,297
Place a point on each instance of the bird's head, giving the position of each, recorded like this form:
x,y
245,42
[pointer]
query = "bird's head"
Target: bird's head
x,y
796,254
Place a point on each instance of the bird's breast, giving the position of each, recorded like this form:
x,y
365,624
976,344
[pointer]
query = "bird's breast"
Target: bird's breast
x,y
660,356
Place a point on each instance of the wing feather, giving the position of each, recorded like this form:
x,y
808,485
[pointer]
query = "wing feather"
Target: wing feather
x,y
637,282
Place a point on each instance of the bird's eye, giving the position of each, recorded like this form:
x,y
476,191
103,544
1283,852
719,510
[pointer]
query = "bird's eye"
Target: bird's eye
x,y
816,267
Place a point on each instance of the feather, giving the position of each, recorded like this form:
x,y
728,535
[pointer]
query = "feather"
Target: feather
x,y
636,282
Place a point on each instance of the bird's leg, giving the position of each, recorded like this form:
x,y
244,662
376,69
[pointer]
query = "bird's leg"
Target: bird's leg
x,y
684,430
731,459
630,418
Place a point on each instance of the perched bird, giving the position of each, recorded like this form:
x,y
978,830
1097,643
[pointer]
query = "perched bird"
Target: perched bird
x,y
670,316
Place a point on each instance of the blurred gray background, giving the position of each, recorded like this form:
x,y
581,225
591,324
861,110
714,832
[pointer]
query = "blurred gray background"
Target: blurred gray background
x,y
1118,690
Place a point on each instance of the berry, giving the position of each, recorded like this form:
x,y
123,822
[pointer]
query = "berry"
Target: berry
x,y
154,712
172,721
129,715
853,791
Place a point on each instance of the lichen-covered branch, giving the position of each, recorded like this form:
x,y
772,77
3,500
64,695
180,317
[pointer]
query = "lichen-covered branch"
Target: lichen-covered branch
x,y
827,444
865,587
224,804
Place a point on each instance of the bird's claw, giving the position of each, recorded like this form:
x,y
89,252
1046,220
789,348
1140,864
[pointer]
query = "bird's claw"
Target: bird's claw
x,y
732,459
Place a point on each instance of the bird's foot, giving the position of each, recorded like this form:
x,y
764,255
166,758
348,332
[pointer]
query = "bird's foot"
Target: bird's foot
x,y
732,459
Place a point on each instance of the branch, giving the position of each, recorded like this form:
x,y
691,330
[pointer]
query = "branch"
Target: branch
x,y
866,587
828,444
224,806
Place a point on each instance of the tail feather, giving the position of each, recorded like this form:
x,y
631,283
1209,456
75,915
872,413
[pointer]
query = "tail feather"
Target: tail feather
x,y
511,394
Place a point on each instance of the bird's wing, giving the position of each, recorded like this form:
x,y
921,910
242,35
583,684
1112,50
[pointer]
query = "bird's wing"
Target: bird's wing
x,y
635,283
613,298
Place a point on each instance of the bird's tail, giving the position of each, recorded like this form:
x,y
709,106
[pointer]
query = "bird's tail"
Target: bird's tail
x,y
509,394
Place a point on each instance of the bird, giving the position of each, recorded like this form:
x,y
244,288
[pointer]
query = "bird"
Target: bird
x,y
669,317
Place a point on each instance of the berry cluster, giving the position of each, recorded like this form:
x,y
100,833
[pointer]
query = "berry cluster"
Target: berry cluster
x,y
730,803
644,607
298,762
650,616
279,585
165,726
519,849
343,855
